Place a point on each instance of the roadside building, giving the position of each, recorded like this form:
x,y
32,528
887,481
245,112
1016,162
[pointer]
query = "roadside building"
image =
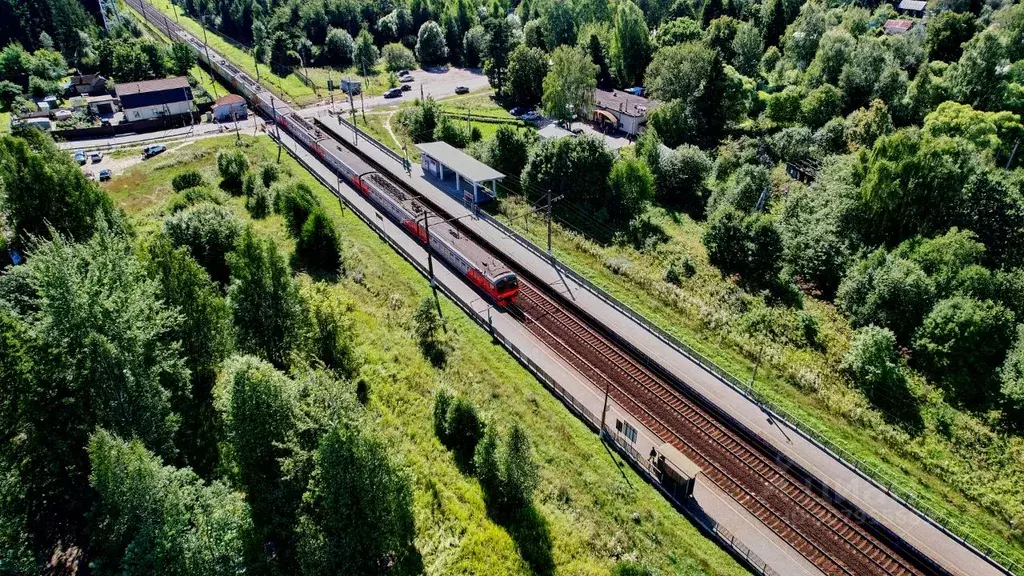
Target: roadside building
x,y
553,132
87,85
619,110
155,98
230,107
914,8
897,26
104,105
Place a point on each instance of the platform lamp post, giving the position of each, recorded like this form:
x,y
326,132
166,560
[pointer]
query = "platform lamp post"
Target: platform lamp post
x,y
430,251
174,8
753,377
273,118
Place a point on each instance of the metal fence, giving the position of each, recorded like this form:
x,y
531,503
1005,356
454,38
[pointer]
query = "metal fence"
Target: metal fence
x,y
922,508
627,451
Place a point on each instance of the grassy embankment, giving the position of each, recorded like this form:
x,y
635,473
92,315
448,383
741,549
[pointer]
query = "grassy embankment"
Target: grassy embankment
x,y
595,510
289,88
950,461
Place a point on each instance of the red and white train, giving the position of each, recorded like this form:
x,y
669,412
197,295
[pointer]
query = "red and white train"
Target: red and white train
x,y
485,272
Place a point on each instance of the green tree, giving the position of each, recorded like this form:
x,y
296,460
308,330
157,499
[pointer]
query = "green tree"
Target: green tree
x,y
873,364
232,166
520,473
559,25
209,232
569,85
575,167
527,68
976,78
509,149
318,246
365,54
431,49
182,59
863,127
397,57
944,257
632,185
98,334
678,31
1011,377
152,518
340,48
475,46
821,105
747,48
257,405
498,50
631,45
816,242
962,343
681,175
44,189
887,291
991,132
204,334
748,245
773,21
357,513
329,334
487,467
784,107
264,300
296,202
946,32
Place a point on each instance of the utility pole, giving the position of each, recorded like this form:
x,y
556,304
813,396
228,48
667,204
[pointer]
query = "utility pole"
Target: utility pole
x,y
142,3
366,83
604,409
206,45
1012,154
330,89
430,259
273,118
421,93
355,131
167,27
408,163
256,61
753,377
175,9
549,223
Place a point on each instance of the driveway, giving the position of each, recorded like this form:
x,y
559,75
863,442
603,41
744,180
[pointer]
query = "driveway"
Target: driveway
x,y
433,82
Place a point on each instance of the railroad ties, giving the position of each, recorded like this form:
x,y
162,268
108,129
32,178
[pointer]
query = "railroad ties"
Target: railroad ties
x,y
834,543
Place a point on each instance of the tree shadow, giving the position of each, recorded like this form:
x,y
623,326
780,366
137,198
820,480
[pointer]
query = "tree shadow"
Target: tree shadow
x,y
530,531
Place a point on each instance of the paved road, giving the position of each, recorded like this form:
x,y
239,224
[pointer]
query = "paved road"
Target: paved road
x,y
437,83
199,130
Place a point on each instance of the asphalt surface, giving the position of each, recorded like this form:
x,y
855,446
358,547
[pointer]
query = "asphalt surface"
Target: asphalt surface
x,y
436,83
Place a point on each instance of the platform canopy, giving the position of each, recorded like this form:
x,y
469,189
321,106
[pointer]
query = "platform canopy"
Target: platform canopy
x,y
438,157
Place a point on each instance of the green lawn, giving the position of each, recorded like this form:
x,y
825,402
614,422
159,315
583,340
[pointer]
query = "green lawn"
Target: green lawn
x,y
290,88
955,465
594,509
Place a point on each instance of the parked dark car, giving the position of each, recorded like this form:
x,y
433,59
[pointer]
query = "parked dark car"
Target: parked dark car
x,y
105,175
393,93
150,151
80,158
462,89
406,87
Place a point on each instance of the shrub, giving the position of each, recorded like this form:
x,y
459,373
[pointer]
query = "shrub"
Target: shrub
x,y
680,270
259,203
463,429
427,327
295,203
397,57
249,183
318,246
452,132
873,365
269,173
329,329
961,344
187,179
232,166
443,398
209,232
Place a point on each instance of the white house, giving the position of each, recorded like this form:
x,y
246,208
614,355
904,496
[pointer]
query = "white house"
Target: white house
x,y
620,110
155,98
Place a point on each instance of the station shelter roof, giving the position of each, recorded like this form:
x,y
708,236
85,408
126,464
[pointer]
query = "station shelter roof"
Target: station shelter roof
x,y
459,162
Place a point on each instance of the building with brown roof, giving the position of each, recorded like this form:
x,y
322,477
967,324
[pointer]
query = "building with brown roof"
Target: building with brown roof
x,y
897,26
620,110
230,107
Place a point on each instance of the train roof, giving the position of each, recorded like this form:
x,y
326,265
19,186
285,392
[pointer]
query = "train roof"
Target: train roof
x,y
488,264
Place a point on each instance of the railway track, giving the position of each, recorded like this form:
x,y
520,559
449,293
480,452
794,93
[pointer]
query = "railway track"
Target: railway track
x,y
827,538
820,526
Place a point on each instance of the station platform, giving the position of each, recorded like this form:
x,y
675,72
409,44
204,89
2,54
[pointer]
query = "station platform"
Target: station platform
x,y
946,550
